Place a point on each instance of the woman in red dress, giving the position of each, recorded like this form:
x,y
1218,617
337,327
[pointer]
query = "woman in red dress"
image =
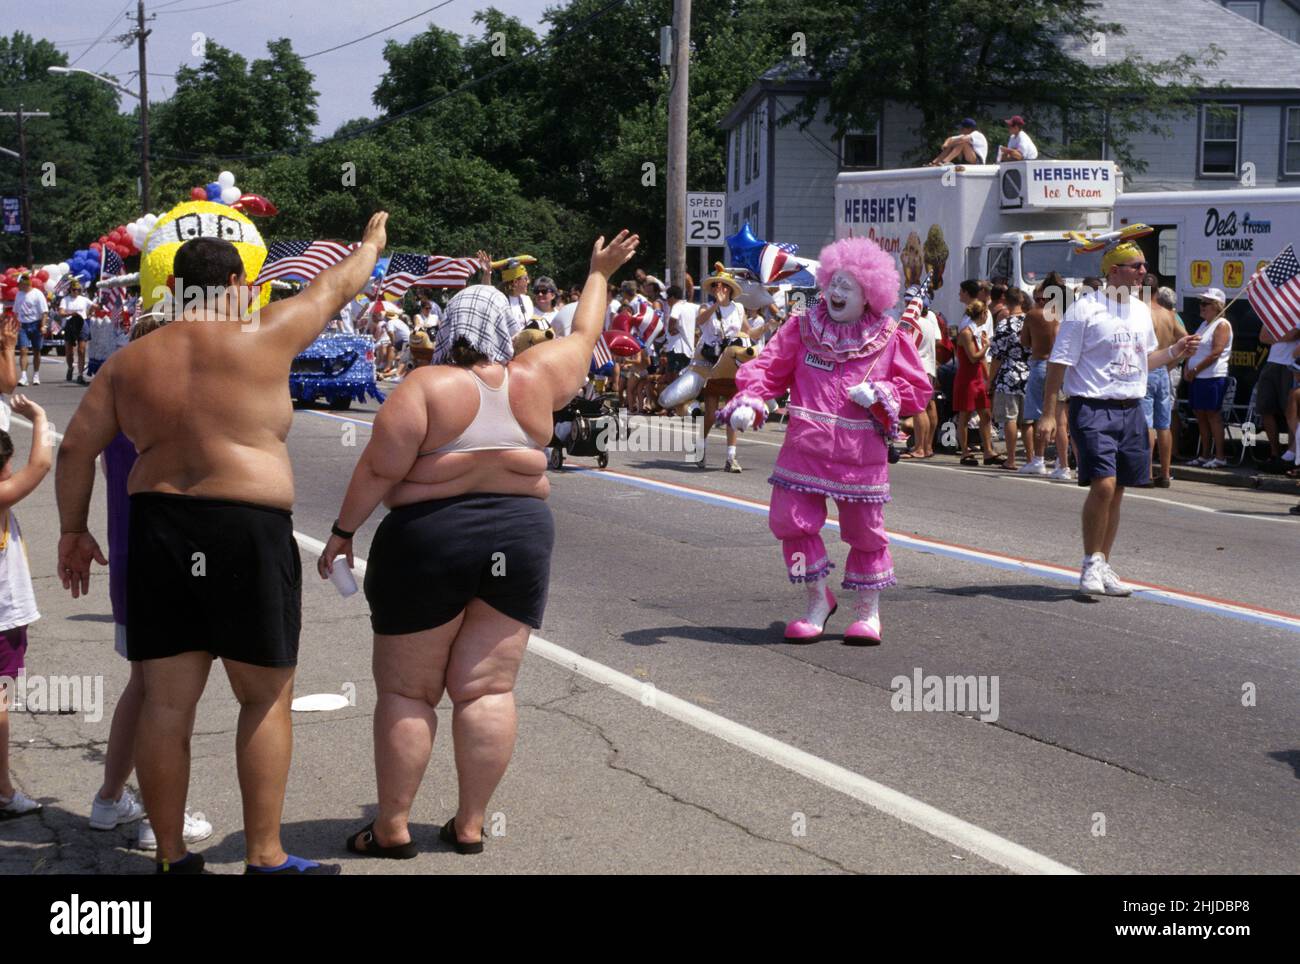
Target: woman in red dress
x,y
970,391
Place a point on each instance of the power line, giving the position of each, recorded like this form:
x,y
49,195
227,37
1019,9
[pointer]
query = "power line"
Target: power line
x,y
210,6
376,33
549,42
101,36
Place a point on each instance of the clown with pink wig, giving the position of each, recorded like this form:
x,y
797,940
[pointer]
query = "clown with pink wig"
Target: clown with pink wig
x,y
850,381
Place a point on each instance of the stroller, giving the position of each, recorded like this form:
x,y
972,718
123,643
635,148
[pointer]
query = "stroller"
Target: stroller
x,y
578,427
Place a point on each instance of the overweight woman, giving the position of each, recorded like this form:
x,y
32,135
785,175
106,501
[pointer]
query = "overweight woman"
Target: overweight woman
x,y
459,566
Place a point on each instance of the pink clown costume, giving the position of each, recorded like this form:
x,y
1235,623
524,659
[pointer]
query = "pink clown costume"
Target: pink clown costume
x,y
850,381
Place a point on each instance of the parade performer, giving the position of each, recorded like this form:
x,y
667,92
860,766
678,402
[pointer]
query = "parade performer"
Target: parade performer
x,y
851,379
723,327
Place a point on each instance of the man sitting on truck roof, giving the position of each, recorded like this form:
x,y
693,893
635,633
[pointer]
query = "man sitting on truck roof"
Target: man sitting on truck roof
x,y
970,146
1019,146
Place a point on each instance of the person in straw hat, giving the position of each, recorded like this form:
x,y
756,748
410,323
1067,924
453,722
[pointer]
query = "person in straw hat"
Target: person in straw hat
x,y
722,324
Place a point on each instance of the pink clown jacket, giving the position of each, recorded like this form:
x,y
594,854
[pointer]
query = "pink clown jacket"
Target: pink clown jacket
x,y
834,446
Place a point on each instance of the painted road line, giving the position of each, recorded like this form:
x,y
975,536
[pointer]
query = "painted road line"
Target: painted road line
x,y
1072,486
1150,591
933,821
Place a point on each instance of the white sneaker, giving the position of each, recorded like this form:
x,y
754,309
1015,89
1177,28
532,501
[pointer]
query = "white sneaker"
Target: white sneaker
x,y
1288,455
1214,464
1035,467
1110,582
196,829
22,379
1062,473
18,805
107,814
1196,463
36,378
1090,581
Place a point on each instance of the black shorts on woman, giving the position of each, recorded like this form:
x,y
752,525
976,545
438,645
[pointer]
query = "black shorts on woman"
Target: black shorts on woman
x,y
428,560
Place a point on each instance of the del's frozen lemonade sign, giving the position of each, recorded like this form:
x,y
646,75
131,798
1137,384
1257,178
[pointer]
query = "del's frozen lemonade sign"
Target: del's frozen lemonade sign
x,y
1031,185
1228,246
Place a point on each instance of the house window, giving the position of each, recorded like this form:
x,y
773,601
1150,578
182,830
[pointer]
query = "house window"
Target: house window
x,y
754,140
1220,139
1291,144
860,148
1247,8
748,132
735,158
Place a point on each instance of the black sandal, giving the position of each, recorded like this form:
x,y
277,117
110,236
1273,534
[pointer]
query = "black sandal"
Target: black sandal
x,y
995,460
363,842
448,835
969,460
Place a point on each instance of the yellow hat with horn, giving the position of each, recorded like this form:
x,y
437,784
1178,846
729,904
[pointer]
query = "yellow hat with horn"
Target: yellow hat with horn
x,y
512,268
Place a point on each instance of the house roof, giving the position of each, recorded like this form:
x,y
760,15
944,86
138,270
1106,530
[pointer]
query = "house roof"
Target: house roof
x,y
1254,57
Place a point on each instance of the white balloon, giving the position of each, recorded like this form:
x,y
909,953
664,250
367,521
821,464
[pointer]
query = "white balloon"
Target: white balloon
x,y
64,267
229,195
49,285
226,179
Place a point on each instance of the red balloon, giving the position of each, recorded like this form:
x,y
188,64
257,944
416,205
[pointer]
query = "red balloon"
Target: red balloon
x,y
198,194
621,344
42,275
95,246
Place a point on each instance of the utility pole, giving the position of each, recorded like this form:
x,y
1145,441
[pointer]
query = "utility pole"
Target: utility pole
x,y
678,100
140,34
22,116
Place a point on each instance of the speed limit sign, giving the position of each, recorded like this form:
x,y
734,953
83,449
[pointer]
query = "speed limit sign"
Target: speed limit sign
x,y
704,211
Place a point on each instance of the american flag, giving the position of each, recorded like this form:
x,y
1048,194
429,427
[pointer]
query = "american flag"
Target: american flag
x,y
1275,294
112,301
61,287
405,270
911,318
601,355
302,260
113,265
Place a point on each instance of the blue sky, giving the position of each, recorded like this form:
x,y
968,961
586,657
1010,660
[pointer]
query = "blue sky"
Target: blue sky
x,y
344,78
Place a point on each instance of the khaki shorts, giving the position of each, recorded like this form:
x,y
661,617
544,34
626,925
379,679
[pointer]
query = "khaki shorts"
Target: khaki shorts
x,y
1007,407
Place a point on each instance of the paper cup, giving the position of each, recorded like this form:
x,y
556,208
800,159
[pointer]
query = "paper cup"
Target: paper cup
x,y
341,576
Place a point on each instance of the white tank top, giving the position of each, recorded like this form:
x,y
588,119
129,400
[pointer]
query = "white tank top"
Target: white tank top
x,y
494,427
17,599
1220,366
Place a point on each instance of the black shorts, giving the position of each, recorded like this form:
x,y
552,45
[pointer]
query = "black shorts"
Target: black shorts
x,y
72,330
429,559
212,575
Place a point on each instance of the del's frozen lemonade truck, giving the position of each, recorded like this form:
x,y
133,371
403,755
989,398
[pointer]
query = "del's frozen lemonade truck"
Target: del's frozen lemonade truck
x,y
996,221
1217,239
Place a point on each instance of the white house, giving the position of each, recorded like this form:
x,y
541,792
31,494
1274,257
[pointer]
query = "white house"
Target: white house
x,y
780,177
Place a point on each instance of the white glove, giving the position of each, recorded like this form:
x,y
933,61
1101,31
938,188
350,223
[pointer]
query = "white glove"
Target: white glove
x,y
863,394
742,419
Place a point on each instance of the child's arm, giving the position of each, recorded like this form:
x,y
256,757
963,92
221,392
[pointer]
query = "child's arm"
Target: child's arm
x,y
23,482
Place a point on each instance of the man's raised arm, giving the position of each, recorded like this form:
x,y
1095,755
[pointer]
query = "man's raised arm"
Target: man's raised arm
x,y
304,316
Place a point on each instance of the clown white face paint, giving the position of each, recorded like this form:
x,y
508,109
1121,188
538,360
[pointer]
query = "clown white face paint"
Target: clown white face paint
x,y
845,301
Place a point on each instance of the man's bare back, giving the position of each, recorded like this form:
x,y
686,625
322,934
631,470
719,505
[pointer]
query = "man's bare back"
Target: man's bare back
x,y
1168,328
205,399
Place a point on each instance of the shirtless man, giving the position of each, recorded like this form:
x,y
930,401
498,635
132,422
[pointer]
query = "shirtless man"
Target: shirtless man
x,y
213,570
1159,403
1038,335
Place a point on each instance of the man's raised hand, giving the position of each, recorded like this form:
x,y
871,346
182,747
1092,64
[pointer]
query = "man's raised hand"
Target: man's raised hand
x,y
608,258
376,232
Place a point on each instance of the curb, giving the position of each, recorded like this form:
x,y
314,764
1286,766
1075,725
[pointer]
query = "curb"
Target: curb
x,y
1244,479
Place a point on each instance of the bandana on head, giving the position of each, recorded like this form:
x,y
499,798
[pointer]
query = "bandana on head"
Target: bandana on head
x,y
1122,253
481,315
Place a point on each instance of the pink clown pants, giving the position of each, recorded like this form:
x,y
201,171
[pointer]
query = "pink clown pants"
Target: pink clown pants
x,y
797,518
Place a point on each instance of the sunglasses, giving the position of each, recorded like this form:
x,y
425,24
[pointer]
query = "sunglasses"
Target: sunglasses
x,y
1134,265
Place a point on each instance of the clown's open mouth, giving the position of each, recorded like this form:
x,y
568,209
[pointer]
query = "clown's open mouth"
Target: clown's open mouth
x,y
837,304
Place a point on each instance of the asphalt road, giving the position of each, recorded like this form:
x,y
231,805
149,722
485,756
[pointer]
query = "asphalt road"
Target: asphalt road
x,y
665,727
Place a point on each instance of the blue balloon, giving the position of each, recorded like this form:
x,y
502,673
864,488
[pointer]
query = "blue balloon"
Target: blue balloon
x,y
214,191
746,250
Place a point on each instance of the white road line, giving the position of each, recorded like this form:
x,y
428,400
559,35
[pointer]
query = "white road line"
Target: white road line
x,y
1128,494
993,848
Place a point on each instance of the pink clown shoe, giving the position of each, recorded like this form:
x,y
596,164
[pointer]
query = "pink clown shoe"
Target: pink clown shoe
x,y
865,629
810,627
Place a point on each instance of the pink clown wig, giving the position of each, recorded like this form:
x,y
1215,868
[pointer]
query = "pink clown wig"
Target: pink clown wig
x,y
868,265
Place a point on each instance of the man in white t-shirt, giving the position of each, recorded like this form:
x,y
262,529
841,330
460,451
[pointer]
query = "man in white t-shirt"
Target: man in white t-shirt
x,y
74,318
679,348
1019,146
1104,348
33,311
968,147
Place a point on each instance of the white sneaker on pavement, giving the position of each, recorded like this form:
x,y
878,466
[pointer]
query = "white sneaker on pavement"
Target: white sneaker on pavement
x,y
1034,467
36,378
196,829
20,804
1062,473
107,814
1090,582
1111,583
1214,464
22,379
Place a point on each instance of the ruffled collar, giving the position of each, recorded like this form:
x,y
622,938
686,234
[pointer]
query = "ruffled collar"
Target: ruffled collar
x,y
844,341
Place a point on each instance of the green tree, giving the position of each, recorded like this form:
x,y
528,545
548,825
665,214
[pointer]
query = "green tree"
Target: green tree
x,y
950,58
